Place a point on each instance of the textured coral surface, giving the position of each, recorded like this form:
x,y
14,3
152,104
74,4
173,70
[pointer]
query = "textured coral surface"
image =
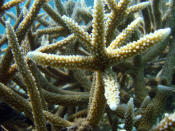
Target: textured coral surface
x,y
72,66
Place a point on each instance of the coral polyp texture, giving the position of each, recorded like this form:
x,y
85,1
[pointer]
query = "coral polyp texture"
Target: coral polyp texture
x,y
83,68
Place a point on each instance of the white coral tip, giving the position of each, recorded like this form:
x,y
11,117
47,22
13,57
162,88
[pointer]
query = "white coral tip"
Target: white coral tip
x,y
147,3
167,31
32,54
113,106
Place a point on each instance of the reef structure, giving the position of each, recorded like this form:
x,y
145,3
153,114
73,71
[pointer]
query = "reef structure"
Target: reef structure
x,y
97,54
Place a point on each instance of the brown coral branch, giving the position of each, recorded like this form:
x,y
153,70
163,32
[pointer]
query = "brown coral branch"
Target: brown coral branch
x,y
10,4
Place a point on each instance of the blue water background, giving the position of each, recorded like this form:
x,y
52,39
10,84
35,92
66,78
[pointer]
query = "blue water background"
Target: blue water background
x,y
2,28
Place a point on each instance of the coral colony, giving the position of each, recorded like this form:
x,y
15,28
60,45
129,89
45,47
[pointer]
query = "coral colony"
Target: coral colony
x,y
72,67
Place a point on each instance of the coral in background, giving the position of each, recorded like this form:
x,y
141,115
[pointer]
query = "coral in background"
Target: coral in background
x,y
110,53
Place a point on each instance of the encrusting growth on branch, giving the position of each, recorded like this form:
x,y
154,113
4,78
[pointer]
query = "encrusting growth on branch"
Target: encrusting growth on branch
x,y
111,87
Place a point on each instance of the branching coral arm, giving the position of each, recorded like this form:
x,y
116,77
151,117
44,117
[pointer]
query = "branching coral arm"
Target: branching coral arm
x,y
10,4
111,87
115,18
136,8
74,62
28,20
79,32
98,101
21,104
57,45
124,35
28,79
141,45
98,32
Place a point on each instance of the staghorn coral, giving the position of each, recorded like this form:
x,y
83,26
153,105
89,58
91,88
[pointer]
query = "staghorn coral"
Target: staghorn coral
x,y
167,123
102,60
10,4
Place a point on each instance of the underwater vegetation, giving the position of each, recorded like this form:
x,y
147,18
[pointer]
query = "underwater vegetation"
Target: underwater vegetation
x,y
72,67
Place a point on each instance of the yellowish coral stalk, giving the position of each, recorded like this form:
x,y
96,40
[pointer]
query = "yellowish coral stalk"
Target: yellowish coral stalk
x,y
15,100
98,32
56,120
10,4
50,30
124,35
115,18
136,8
57,45
84,62
83,36
29,18
28,79
112,4
141,45
97,102
21,104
